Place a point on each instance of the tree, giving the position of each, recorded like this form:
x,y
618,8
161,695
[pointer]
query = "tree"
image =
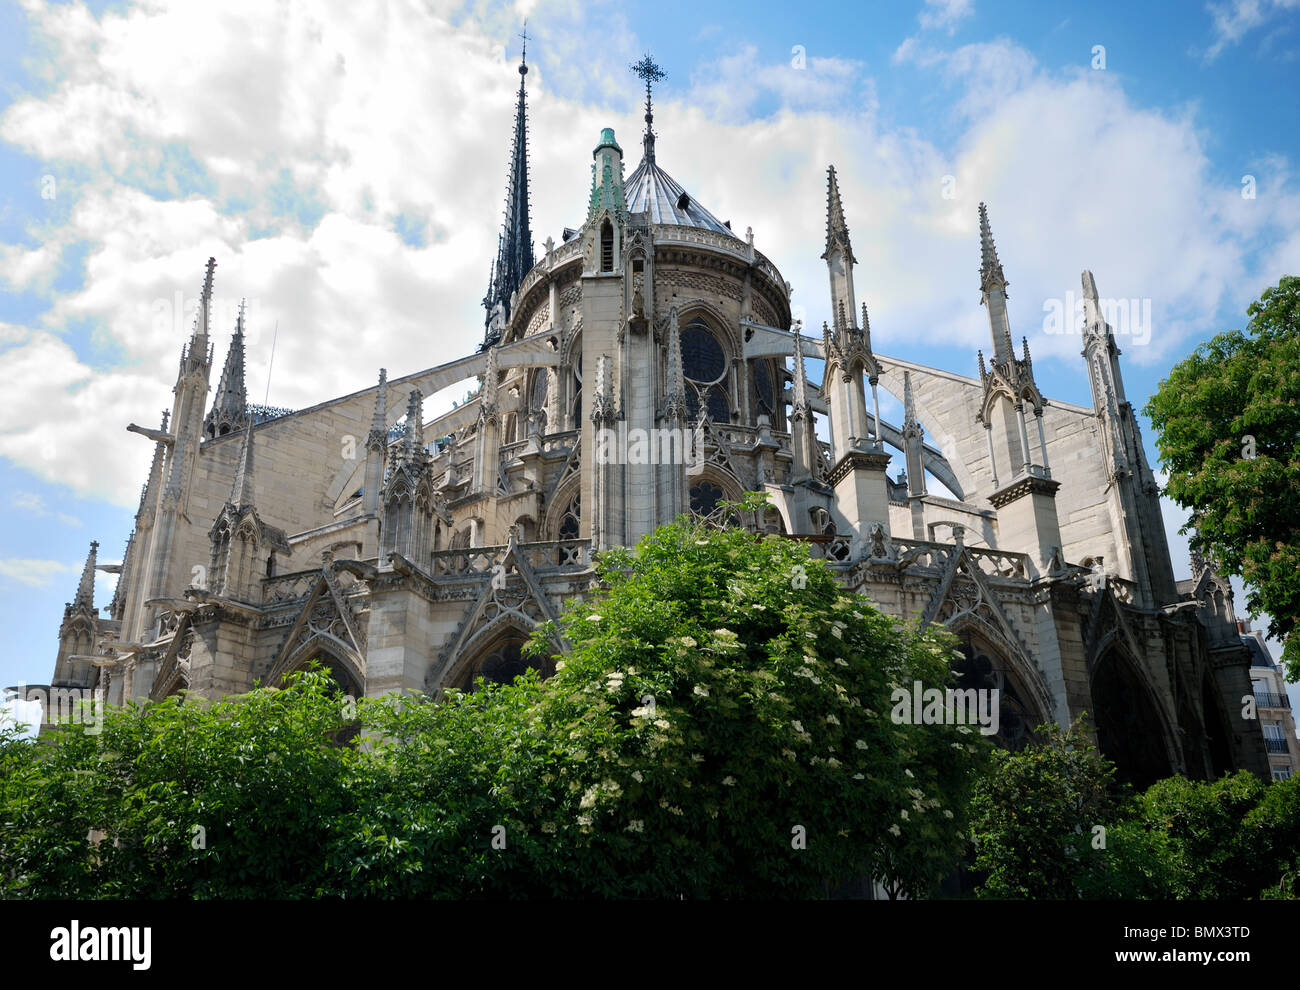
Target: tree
x,y
1035,816
718,726
1228,419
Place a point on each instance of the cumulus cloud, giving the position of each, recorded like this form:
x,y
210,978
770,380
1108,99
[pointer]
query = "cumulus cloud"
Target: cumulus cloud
x,y
35,505
346,169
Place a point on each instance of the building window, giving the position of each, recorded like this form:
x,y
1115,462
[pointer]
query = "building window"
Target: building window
x,y
571,521
606,247
704,366
1281,773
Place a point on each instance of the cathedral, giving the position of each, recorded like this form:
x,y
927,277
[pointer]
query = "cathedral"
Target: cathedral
x,y
644,367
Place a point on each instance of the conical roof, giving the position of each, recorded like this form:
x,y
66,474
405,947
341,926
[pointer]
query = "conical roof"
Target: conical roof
x,y
649,189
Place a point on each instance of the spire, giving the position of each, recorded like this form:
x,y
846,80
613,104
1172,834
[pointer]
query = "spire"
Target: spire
x,y
650,73
990,268
909,403
378,436
205,311
675,398
800,386
231,403
837,229
86,587
993,293
515,245
413,437
241,492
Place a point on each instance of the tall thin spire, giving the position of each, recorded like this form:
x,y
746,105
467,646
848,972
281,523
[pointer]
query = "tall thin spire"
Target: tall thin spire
x,y
650,73
378,436
990,268
515,245
993,292
230,405
413,437
837,228
86,587
675,397
909,402
241,492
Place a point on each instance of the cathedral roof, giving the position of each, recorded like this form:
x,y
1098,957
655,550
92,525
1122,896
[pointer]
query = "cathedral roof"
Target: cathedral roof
x,y
649,189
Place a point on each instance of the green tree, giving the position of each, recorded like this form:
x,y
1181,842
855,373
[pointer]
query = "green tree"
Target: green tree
x,y
1034,816
718,726
1228,419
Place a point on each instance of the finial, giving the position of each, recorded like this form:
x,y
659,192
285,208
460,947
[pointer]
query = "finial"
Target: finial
x,y
650,72
523,55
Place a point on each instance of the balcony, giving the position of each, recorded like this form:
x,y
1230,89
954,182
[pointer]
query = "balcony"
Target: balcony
x,y
1268,699
1276,746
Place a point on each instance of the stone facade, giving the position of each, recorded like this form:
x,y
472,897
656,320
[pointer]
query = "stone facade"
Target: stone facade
x,y
643,368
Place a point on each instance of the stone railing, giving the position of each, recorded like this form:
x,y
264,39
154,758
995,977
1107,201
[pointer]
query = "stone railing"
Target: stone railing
x,y
564,253
288,587
545,556
991,562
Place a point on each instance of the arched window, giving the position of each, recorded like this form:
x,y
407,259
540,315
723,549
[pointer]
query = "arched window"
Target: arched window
x,y
606,247
763,389
571,520
704,366
537,399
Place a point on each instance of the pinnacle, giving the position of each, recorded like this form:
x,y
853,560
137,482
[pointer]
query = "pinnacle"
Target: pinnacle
x,y
86,587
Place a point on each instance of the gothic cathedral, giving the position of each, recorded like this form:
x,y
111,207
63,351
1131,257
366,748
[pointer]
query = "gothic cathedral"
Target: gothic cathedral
x,y
407,554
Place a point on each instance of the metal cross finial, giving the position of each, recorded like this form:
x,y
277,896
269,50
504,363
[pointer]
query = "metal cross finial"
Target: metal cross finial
x,y
650,72
523,56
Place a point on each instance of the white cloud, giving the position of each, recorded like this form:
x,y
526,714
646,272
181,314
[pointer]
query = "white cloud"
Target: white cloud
x,y
945,13
314,131
35,505
36,573
1234,19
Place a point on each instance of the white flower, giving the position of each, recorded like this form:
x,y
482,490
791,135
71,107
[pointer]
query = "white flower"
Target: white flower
x,y
588,799
947,813
701,690
636,775
835,631
832,762
593,618
548,828
560,665
697,758
662,723
688,641
584,819
636,825
895,829
728,781
861,744
909,773
903,813
832,720
842,663
676,810
798,726
858,776
788,752
647,711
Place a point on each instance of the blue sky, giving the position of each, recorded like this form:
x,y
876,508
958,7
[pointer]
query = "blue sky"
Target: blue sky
x,y
346,168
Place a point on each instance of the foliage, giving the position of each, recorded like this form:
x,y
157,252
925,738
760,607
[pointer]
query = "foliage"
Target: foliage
x,y
1033,815
718,726
1229,423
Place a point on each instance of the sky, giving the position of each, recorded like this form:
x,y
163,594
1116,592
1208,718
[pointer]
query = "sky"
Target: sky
x,y
345,164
